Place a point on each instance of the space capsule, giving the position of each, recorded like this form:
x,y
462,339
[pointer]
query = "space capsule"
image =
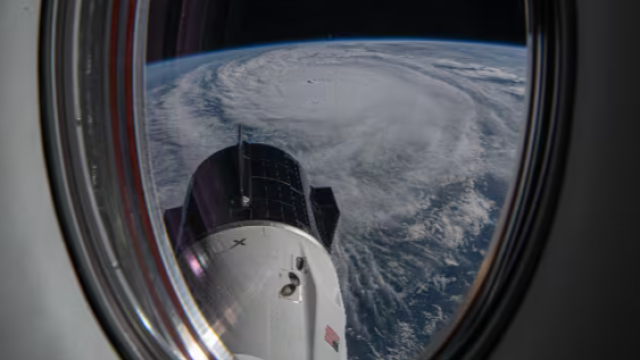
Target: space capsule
x,y
253,240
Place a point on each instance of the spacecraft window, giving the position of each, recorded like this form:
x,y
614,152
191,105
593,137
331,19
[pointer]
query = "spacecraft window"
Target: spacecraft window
x,y
418,139
288,290
406,156
300,263
295,280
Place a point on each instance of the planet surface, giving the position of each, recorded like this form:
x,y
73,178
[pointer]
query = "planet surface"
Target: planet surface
x,y
418,140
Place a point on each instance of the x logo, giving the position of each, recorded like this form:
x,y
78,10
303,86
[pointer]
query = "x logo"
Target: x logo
x,y
238,242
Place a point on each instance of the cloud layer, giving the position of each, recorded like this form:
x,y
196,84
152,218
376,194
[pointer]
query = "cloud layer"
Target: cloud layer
x,y
417,139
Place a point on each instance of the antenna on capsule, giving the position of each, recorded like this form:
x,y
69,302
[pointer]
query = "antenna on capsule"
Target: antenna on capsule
x,y
246,201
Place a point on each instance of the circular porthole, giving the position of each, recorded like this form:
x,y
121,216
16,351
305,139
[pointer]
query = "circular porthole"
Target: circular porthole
x,y
398,173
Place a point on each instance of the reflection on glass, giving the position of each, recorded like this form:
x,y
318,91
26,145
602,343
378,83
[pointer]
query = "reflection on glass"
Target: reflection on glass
x,y
411,144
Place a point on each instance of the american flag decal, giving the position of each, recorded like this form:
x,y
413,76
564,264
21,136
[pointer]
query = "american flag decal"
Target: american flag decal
x,y
331,338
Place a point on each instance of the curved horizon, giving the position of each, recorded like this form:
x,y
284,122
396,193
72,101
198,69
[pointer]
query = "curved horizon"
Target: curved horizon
x,y
339,40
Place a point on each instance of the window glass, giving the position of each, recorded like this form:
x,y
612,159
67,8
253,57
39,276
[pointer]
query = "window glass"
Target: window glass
x,y
410,116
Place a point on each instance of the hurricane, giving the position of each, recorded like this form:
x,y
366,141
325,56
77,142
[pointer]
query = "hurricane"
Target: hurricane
x,y
417,138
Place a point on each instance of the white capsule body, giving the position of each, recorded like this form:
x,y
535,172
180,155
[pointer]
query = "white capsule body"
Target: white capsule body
x,y
269,290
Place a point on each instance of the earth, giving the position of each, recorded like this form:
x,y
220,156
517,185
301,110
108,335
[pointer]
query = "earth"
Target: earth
x,y
418,140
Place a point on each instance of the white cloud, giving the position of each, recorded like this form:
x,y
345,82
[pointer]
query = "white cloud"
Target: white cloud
x,y
479,71
403,138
